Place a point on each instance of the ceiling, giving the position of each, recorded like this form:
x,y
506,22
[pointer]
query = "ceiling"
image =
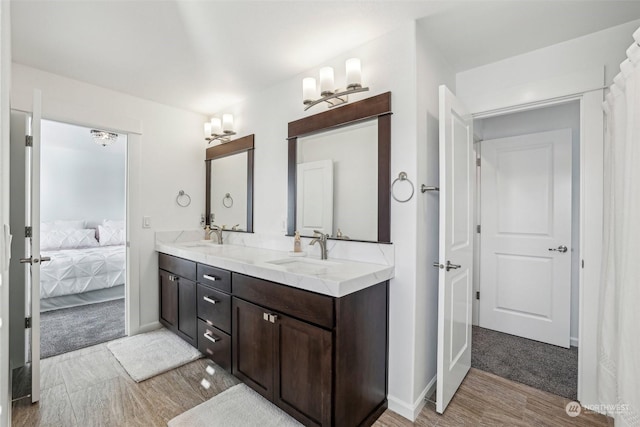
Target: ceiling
x,y
204,55
78,138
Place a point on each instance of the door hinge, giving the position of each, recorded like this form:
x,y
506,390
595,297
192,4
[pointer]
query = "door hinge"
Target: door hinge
x,y
477,294
582,263
28,141
478,161
478,228
28,231
27,322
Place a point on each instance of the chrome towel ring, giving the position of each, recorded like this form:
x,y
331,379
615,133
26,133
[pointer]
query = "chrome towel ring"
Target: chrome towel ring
x,y
402,176
183,199
227,201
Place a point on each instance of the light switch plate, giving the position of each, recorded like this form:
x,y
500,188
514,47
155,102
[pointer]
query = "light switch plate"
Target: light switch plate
x,y
146,222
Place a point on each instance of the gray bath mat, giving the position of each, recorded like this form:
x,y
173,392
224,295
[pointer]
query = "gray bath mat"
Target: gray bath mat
x,y
147,355
238,406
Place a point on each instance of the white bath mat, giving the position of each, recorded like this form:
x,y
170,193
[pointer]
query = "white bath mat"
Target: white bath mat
x,y
147,355
238,406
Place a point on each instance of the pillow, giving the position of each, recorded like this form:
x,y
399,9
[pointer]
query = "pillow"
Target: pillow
x,y
113,224
67,239
69,225
108,236
47,226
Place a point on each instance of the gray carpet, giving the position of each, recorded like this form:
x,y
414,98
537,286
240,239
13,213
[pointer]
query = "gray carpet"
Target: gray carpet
x,y
543,366
69,329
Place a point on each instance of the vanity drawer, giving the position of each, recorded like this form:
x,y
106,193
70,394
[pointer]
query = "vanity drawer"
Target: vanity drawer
x,y
178,266
214,307
215,277
218,351
304,305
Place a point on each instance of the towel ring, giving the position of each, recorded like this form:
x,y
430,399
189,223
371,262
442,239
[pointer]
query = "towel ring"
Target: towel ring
x,y
227,201
402,176
183,199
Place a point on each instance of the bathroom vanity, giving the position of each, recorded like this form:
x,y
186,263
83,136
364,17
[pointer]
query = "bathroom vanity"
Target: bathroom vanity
x,y
309,335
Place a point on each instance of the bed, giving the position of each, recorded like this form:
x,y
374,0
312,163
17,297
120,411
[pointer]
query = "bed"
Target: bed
x,y
88,265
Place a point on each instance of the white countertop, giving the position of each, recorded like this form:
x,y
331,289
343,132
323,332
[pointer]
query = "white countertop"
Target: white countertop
x,y
333,277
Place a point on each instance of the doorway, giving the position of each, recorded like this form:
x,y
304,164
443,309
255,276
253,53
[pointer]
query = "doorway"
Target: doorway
x,y
81,233
527,247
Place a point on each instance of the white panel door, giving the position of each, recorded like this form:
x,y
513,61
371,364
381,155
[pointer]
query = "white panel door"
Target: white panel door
x,y
457,182
34,196
525,254
314,210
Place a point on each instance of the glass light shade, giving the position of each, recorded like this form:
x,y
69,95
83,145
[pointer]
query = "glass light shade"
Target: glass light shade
x,y
354,73
216,126
308,89
227,123
207,130
326,81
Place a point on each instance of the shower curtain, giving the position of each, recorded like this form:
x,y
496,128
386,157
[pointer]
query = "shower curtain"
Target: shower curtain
x,y
619,335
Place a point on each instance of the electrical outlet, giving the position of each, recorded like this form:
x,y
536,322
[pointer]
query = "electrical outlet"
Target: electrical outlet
x,y
146,222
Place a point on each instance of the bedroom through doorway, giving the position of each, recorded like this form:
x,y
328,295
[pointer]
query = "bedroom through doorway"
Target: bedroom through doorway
x,y
83,232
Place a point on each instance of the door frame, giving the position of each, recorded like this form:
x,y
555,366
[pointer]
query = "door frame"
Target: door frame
x,y
65,113
591,205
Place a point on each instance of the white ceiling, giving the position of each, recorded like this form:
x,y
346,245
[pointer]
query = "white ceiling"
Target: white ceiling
x,y
204,55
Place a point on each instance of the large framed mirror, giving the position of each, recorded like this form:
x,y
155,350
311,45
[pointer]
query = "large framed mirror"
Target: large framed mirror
x,y
340,172
229,185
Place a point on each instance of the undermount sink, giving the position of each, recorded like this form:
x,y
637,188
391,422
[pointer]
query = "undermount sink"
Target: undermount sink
x,y
307,265
201,244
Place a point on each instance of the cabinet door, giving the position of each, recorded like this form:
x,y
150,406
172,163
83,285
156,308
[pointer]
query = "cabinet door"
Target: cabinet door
x,y
168,300
253,346
187,311
303,371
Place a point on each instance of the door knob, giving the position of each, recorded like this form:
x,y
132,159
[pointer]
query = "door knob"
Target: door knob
x,y
450,266
561,249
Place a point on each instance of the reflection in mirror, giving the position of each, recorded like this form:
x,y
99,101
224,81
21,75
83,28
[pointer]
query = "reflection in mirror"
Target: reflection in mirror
x,y
337,182
229,192
229,185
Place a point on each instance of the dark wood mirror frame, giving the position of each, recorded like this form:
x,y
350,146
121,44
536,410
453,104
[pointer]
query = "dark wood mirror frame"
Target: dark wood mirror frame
x,y
379,107
240,145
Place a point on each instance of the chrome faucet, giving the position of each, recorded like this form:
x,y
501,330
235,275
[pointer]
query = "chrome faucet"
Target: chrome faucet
x,y
321,238
218,232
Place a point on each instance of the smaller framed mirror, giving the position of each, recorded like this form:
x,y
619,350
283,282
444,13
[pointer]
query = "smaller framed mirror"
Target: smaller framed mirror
x,y
229,185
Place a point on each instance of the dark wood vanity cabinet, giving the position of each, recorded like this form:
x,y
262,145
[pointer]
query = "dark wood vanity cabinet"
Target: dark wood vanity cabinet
x,y
321,359
178,297
214,314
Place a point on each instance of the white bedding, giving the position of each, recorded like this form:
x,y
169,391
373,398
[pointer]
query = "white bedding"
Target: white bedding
x,y
73,271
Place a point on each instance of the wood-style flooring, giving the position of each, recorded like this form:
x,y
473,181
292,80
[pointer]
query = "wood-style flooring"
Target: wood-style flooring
x,y
88,387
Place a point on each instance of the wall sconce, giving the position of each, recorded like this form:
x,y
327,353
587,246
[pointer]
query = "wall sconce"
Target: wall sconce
x,y
220,130
328,92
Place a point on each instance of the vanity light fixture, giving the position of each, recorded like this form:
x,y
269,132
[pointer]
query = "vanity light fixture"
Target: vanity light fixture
x,y
220,130
328,92
102,137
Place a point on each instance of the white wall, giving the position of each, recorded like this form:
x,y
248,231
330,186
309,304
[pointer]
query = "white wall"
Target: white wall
x,y
80,179
432,71
171,158
389,64
554,65
5,83
541,120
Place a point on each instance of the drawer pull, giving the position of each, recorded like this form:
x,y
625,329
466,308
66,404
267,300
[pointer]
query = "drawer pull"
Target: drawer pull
x,y
211,337
210,300
173,278
269,317
212,278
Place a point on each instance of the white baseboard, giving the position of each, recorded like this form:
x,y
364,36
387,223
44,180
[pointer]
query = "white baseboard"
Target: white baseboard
x,y
573,342
411,411
146,328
